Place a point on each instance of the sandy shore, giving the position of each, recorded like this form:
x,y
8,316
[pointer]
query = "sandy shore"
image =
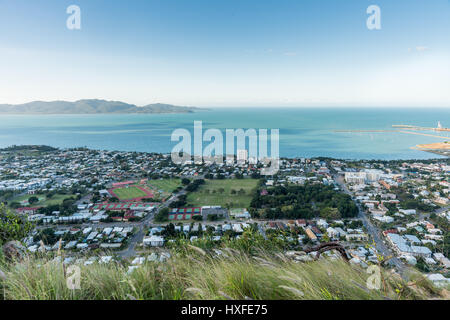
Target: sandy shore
x,y
435,146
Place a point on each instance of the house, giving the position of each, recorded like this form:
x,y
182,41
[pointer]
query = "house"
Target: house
x,y
316,230
442,259
386,219
341,231
356,236
153,241
333,233
438,279
441,200
385,184
408,211
412,238
301,222
322,223
241,213
71,244
27,210
310,234
105,259
110,245
237,228
213,211
402,246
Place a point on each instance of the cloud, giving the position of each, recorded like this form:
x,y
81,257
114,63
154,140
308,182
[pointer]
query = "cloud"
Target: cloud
x,y
421,48
290,54
418,49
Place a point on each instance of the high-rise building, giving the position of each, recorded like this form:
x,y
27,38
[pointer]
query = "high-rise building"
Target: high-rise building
x,y
242,155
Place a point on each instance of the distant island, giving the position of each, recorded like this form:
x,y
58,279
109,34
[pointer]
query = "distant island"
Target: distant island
x,y
90,106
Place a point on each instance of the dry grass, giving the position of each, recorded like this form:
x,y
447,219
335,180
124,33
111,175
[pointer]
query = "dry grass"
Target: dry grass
x,y
198,275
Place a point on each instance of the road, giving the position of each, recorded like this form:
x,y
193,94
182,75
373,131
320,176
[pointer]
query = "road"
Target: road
x,y
442,209
143,225
373,231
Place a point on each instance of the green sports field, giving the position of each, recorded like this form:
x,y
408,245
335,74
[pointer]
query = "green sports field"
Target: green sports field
x,y
43,201
165,185
129,193
218,193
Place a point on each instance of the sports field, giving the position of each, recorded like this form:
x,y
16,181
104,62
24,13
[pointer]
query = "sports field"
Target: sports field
x,y
43,201
165,185
129,193
219,193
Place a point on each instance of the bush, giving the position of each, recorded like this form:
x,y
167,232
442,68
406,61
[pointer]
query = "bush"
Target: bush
x,y
12,225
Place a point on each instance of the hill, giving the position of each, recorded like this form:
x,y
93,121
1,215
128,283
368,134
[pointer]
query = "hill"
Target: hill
x,y
90,106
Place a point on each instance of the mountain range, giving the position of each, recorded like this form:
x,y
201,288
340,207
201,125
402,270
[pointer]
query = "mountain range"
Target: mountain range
x,y
90,106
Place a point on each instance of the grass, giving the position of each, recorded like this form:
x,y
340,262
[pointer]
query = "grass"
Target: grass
x,y
43,201
129,193
197,274
209,193
165,185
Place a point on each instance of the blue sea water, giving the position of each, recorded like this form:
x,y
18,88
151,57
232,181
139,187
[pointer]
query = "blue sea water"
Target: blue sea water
x,y
304,132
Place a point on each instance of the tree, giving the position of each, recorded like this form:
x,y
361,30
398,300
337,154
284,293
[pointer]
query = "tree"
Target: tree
x,y
422,265
15,205
330,213
212,217
47,236
185,181
32,200
162,215
12,225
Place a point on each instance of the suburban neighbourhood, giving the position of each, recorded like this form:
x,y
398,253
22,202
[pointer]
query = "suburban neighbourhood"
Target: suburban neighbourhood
x,y
101,206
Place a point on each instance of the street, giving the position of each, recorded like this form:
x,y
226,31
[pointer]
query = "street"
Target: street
x,y
374,232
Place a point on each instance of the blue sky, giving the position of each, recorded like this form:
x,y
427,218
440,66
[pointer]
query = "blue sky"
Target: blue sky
x,y
227,53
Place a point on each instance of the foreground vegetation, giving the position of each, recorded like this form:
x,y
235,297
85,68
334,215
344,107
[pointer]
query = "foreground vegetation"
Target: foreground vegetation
x,y
197,274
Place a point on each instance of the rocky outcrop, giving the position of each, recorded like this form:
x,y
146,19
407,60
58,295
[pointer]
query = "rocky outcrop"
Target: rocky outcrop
x,y
14,251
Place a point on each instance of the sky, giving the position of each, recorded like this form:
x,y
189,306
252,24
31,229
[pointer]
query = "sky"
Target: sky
x,y
233,53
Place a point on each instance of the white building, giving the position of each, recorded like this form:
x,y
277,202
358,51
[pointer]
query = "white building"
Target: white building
x,y
242,155
154,241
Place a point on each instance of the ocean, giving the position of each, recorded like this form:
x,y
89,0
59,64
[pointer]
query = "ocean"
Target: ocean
x,y
304,132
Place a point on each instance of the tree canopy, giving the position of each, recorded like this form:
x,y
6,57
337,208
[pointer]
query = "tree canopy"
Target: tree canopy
x,y
12,225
